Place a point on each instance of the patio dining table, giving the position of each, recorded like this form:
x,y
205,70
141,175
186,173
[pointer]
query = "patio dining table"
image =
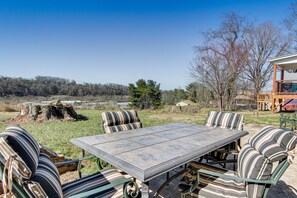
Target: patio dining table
x,y
146,153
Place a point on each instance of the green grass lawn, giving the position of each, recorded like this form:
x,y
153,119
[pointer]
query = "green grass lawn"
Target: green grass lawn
x,y
56,134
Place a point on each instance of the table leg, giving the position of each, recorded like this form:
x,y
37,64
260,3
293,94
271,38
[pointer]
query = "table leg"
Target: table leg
x,y
145,190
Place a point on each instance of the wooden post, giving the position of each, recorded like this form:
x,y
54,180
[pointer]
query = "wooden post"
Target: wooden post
x,y
274,79
273,88
282,78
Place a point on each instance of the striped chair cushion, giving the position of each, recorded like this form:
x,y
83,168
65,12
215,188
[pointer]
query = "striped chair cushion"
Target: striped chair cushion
x,y
47,176
119,117
23,144
120,121
123,127
253,165
94,181
226,120
273,143
211,186
256,157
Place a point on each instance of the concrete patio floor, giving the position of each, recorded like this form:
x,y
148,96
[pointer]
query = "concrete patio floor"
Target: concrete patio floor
x,y
286,186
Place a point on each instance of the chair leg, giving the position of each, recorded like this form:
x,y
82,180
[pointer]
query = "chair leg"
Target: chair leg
x,y
234,163
166,183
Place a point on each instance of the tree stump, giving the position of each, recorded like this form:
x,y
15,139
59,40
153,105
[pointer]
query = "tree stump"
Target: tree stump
x,y
56,110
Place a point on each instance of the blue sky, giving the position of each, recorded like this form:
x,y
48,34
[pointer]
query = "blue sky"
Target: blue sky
x,y
109,41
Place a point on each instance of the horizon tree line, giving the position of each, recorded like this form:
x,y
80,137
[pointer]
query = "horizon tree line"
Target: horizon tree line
x,y
46,86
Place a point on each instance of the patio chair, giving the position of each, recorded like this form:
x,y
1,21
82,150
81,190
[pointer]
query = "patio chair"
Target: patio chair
x,y
290,119
226,120
254,177
27,172
120,121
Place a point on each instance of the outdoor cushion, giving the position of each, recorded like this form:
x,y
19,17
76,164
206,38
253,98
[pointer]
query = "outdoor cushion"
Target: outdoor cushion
x,y
273,143
256,157
211,186
94,181
253,165
48,177
226,120
123,127
255,161
43,180
23,144
120,121
119,117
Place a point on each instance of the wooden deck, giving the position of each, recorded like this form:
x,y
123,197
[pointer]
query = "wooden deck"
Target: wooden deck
x,y
284,90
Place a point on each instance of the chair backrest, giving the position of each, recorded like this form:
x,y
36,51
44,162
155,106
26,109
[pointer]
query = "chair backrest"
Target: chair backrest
x,y
256,158
120,121
226,120
33,172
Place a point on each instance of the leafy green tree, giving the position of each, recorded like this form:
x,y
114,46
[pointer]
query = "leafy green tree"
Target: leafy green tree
x,y
179,95
168,97
145,94
192,90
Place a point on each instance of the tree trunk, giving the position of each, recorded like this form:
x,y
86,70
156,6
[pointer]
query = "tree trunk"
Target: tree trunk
x,y
221,103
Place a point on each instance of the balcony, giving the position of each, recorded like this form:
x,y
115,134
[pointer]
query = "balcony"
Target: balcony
x,y
286,87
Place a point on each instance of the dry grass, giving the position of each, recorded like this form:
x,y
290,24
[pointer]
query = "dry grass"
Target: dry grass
x,y
8,108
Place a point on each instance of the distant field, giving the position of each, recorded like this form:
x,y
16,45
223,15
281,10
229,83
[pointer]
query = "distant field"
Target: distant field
x,y
56,134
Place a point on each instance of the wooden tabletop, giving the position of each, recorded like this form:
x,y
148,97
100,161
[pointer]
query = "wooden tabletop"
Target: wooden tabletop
x,y
148,152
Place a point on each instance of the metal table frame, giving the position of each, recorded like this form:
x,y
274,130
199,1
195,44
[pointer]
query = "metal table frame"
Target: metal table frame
x,y
152,151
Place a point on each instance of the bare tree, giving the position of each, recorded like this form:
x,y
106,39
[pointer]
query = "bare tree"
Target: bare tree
x,y
291,23
263,41
209,71
222,58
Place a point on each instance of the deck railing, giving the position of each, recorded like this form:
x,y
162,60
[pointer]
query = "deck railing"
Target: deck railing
x,y
286,87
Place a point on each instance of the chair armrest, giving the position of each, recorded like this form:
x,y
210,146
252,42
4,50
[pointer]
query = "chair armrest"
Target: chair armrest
x,y
223,161
236,177
103,188
233,152
78,161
